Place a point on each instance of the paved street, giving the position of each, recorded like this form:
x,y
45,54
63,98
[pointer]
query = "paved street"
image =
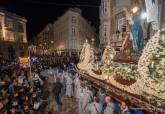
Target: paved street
x,y
69,105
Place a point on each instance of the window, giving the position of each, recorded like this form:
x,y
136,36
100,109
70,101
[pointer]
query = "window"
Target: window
x,y
20,27
105,30
20,37
9,23
105,7
73,44
122,24
74,19
0,22
163,12
1,34
9,36
73,32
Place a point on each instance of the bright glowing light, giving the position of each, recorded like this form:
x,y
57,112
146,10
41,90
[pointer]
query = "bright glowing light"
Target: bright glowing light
x,y
143,15
111,56
86,40
51,42
135,9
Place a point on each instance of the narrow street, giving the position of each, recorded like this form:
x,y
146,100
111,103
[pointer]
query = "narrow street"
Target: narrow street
x,y
69,105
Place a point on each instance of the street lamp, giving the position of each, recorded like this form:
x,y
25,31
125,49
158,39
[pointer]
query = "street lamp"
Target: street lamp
x,y
143,15
86,41
135,9
93,41
52,42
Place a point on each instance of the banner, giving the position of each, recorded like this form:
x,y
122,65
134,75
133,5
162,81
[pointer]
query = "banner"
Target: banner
x,y
24,62
152,13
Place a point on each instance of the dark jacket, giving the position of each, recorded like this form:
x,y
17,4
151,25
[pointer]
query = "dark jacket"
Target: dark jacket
x,y
57,88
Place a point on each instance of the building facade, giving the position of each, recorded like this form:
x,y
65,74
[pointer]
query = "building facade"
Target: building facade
x,y
13,37
68,33
43,42
105,22
114,25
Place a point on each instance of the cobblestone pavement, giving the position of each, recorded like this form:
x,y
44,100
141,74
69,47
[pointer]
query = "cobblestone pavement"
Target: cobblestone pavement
x,y
69,105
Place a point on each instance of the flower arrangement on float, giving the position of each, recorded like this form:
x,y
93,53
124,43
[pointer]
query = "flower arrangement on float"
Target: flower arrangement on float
x,y
82,54
108,68
153,99
107,64
127,71
151,67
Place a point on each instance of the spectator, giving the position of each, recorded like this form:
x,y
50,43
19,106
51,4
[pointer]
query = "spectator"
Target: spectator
x,y
69,86
57,90
111,107
101,96
87,99
95,107
125,107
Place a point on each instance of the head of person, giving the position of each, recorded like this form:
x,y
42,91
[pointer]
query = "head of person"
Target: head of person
x,y
96,99
101,90
108,99
57,80
125,104
69,74
82,85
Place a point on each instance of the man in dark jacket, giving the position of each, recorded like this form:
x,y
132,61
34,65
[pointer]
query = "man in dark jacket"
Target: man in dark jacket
x,y
57,90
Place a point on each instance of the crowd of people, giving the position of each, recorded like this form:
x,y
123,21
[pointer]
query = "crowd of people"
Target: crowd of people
x,y
24,93
90,100
20,92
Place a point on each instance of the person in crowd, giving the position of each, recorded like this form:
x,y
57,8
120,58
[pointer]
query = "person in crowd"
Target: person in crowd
x,y
101,95
125,106
50,77
69,85
87,99
95,107
80,95
37,80
57,90
77,83
110,107
17,94
64,78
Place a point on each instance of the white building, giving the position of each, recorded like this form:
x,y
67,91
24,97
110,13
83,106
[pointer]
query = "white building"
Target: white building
x,y
112,19
68,33
105,22
71,30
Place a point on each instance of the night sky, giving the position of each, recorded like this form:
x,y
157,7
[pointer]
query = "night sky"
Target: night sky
x,y
40,12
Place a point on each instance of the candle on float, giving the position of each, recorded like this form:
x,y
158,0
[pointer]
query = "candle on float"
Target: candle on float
x,y
163,37
108,62
111,56
152,64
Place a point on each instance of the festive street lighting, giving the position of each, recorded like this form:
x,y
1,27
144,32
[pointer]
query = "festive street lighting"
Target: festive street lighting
x,y
135,9
86,41
51,42
93,40
143,15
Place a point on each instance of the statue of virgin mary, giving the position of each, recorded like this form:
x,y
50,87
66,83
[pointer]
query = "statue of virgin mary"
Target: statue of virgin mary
x,y
136,31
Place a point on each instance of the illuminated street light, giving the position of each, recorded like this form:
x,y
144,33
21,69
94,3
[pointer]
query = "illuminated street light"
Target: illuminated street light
x,y
51,42
135,9
86,41
143,15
